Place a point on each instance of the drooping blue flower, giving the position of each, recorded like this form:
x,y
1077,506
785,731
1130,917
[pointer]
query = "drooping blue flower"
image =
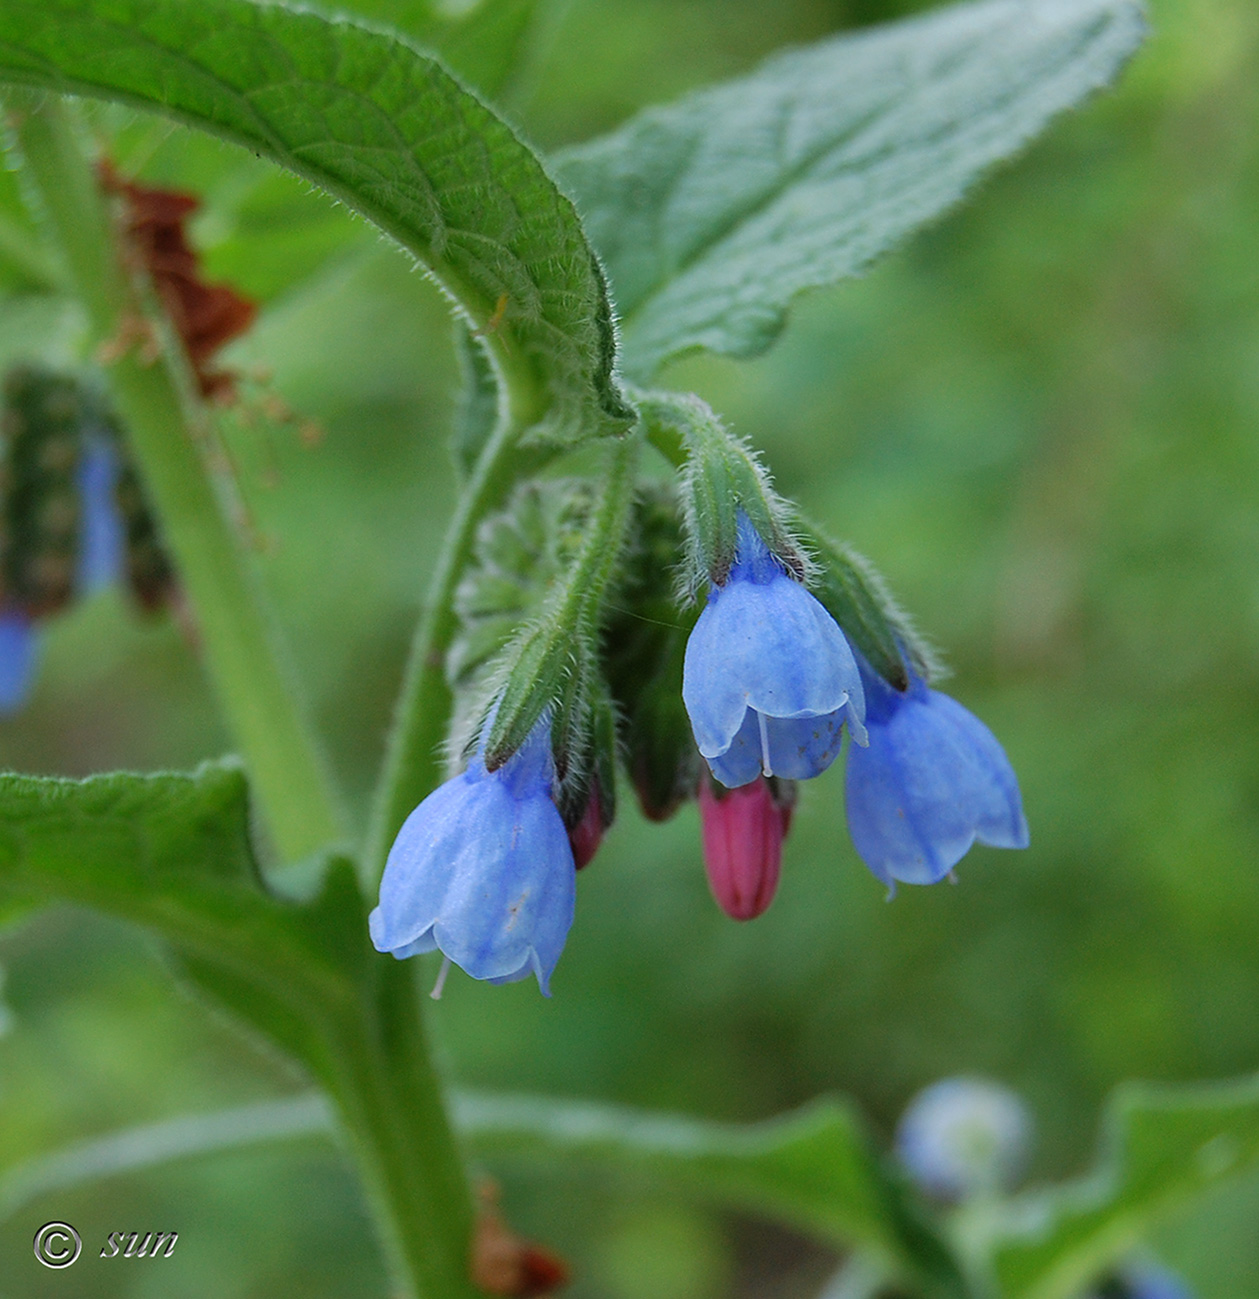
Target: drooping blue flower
x,y
768,679
19,643
483,871
101,530
964,1136
932,781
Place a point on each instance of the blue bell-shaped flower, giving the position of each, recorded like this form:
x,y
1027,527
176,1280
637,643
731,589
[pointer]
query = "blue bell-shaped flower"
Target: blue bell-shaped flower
x,y
932,781
768,679
483,871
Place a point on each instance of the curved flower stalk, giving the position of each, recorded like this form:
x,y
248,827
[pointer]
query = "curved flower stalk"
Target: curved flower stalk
x,y
964,1136
768,679
931,781
483,871
743,832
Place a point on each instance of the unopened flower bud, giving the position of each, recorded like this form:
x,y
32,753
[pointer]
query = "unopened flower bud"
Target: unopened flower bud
x,y
743,833
585,837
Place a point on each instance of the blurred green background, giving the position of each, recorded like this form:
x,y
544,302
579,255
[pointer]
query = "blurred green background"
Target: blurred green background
x,y
1038,418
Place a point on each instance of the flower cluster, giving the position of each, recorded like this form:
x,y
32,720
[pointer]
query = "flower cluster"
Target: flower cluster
x,y
770,680
732,706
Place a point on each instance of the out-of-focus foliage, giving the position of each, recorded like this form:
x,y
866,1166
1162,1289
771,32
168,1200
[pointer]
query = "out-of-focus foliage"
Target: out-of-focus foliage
x,y
1040,418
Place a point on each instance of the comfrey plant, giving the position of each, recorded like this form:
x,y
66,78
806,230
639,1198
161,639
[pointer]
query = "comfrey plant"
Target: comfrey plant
x,y
620,588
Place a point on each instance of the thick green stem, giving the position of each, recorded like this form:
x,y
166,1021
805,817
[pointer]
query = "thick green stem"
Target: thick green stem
x,y
167,432
393,1110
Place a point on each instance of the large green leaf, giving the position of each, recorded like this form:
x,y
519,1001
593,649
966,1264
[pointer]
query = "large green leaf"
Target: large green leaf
x,y
712,213
172,853
1162,1147
813,1169
379,125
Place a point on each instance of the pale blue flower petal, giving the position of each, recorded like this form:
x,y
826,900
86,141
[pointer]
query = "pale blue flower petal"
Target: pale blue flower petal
x,y
796,748
740,764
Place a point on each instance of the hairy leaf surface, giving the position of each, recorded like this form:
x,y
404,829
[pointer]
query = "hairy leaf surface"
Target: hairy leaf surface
x,y
712,213
379,125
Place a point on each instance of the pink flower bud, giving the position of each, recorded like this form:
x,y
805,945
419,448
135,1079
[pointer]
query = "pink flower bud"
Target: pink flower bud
x,y
743,832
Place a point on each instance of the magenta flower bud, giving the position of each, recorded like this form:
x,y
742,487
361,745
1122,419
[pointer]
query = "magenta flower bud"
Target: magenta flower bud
x,y
743,833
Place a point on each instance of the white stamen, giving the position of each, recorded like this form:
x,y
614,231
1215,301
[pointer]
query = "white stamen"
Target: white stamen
x,y
765,767
436,994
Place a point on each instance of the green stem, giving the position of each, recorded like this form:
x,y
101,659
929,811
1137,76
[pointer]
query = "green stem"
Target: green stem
x,y
393,1109
413,761
167,431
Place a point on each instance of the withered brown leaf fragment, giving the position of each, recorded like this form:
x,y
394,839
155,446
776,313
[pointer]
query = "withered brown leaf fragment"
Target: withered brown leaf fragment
x,y
505,1264
206,316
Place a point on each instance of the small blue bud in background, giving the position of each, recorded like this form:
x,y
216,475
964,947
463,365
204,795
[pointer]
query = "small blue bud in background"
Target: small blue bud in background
x,y
932,780
768,679
19,644
964,1136
101,540
483,871
1143,1280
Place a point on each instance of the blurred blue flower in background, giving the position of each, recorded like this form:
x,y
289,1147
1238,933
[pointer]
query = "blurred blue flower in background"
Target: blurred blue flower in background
x,y
483,871
19,644
99,561
100,530
1143,1280
768,679
964,1136
931,782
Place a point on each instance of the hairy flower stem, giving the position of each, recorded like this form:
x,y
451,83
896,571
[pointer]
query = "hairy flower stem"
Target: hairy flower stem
x,y
167,430
413,762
